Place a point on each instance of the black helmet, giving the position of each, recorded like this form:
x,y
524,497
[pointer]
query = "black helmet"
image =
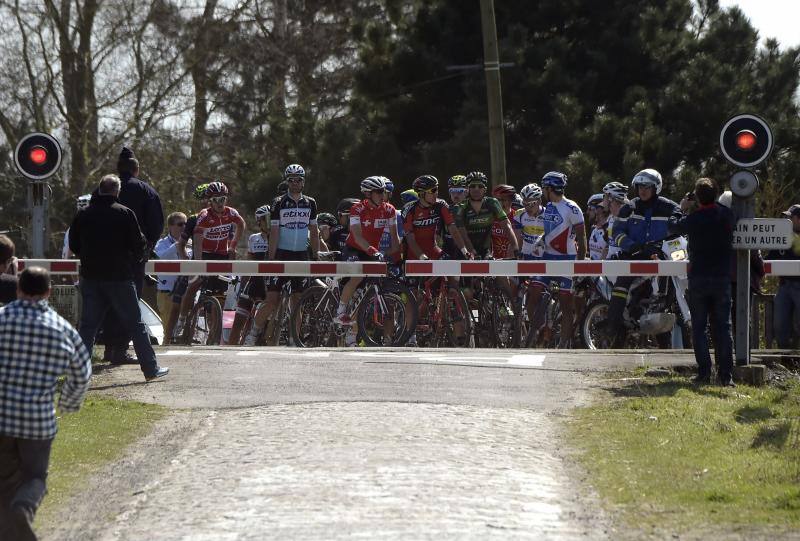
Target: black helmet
x,y
345,205
326,218
425,183
283,187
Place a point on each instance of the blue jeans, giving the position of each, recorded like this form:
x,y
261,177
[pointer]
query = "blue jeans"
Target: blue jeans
x,y
120,297
710,299
787,306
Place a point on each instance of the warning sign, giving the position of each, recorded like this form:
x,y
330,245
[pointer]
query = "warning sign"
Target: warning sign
x,y
763,234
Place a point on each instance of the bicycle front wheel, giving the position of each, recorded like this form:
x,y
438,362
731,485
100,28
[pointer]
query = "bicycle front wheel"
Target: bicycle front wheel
x,y
457,319
311,322
383,320
205,322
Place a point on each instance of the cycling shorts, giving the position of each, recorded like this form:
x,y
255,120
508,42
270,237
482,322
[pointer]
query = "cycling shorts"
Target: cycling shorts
x,y
275,283
564,283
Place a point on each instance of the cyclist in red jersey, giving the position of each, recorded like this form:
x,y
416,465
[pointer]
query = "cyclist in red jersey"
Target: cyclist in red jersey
x,y
216,234
501,241
424,220
368,220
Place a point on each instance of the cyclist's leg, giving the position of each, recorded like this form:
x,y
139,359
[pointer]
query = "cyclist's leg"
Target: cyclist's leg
x,y
254,289
567,312
616,308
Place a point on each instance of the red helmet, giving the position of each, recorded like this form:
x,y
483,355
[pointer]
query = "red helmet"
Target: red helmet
x,y
504,190
216,189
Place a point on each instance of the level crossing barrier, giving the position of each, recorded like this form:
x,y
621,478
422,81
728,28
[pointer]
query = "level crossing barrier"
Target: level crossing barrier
x,y
413,268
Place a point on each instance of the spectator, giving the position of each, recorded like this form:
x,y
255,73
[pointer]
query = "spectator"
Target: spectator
x,y
787,299
8,278
144,201
107,239
37,347
167,248
710,230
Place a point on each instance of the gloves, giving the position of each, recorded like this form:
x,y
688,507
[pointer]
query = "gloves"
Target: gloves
x,y
378,256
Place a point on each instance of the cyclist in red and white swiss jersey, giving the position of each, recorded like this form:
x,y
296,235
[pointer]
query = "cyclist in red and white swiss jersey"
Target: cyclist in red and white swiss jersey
x,y
368,219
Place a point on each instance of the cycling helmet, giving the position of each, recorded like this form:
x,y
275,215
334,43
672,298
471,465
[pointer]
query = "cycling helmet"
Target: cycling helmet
x,y
517,202
648,177
294,170
425,183
595,200
409,196
283,187
345,205
372,184
82,201
614,187
200,191
326,218
504,190
476,177
216,189
531,191
389,185
262,211
555,180
457,181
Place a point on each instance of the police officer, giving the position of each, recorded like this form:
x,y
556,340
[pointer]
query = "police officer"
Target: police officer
x,y
644,219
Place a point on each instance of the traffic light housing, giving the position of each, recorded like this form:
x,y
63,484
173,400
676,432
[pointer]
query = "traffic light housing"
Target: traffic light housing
x,y
746,140
38,156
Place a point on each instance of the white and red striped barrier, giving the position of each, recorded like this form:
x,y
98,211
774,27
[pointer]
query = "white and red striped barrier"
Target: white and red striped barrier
x,y
243,268
413,268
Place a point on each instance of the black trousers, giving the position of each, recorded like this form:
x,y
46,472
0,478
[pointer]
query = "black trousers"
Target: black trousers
x,y
23,474
115,337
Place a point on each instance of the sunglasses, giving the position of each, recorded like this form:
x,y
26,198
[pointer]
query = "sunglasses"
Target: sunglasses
x,y
531,201
431,190
458,190
219,200
476,186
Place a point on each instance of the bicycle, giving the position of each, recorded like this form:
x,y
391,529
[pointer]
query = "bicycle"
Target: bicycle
x,y
204,324
445,319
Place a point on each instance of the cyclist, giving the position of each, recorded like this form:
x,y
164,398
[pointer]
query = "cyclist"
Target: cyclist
x,y
476,215
457,190
293,220
425,218
502,236
385,242
564,239
368,219
529,229
216,233
253,289
642,220
615,196
597,219
338,236
408,196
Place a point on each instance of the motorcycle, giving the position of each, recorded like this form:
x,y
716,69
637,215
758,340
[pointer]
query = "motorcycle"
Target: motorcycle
x,y
656,305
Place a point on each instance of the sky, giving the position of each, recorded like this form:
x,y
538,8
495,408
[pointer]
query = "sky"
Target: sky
x,y
773,18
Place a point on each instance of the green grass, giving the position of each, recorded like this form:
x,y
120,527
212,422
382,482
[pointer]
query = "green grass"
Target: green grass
x,y
89,439
664,452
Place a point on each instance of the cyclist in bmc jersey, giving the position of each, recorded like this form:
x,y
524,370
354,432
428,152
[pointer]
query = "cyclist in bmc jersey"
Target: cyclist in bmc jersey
x,y
368,219
476,215
293,227
564,239
425,219
253,288
215,235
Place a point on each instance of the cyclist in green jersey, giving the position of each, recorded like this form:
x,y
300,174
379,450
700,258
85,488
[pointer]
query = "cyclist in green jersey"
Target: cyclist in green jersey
x,y
476,215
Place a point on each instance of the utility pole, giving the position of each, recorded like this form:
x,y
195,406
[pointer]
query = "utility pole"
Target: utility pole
x,y
491,65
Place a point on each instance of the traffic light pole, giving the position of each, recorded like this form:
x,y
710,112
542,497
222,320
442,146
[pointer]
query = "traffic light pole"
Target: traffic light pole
x,y
38,199
491,62
743,207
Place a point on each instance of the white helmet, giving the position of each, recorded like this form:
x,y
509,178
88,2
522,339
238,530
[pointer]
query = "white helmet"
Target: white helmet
x,y
648,177
619,192
294,170
531,191
371,184
262,211
83,201
726,199
594,200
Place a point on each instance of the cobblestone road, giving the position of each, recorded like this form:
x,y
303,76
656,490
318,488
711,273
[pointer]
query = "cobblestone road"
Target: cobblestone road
x,y
361,471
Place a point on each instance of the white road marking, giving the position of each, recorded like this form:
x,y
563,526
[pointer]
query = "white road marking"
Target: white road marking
x,y
191,353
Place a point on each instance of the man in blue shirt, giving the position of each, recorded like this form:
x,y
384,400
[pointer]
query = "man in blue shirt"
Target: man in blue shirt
x,y
710,229
37,347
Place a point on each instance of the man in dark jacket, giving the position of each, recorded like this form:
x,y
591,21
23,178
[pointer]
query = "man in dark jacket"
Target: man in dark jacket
x,y
107,238
710,229
8,281
144,201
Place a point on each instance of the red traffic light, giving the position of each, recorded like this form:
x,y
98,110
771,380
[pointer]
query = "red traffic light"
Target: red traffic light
x,y
746,140
38,155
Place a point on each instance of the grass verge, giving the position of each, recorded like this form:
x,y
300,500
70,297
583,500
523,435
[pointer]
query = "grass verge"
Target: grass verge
x,y
89,439
661,451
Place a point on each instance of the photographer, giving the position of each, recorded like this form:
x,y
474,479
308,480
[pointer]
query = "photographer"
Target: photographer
x,y
710,230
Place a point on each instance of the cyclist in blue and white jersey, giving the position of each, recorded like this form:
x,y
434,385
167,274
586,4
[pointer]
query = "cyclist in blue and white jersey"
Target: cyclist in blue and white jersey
x,y
615,196
598,235
529,228
564,239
